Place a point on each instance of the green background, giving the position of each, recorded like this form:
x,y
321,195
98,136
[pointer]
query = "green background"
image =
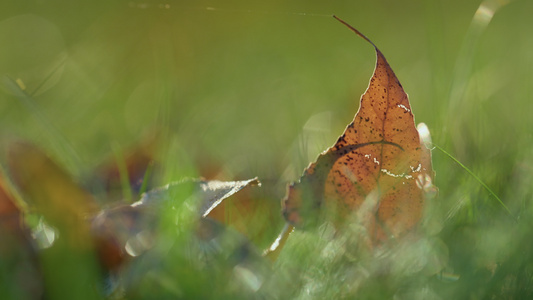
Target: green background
x,y
242,89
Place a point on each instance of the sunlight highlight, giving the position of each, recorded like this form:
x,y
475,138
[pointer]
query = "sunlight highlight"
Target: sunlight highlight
x,y
44,235
425,136
487,9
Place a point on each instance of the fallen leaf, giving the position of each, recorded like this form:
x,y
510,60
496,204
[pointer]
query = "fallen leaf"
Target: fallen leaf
x,y
131,229
375,171
51,192
211,192
20,272
11,218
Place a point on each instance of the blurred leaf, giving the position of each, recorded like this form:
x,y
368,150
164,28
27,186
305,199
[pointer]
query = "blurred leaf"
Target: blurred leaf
x,y
20,276
211,192
69,266
132,228
50,191
141,231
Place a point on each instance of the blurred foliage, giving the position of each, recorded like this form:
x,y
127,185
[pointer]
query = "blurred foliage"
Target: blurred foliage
x,y
239,89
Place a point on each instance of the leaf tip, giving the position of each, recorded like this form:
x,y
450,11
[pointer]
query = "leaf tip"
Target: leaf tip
x,y
356,31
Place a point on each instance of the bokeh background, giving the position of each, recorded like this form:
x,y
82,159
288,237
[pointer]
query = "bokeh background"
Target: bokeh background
x,y
238,89
258,88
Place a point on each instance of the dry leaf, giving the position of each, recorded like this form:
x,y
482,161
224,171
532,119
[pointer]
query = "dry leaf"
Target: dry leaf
x,y
18,257
211,192
376,169
132,228
50,191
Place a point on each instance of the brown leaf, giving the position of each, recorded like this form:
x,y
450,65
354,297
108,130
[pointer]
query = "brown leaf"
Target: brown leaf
x,y
51,192
11,219
374,169
48,189
20,267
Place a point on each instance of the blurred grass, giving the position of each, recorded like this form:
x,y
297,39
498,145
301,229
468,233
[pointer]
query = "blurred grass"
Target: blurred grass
x,y
236,90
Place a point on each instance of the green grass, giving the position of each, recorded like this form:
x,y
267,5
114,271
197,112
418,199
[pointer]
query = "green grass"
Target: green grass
x,y
257,89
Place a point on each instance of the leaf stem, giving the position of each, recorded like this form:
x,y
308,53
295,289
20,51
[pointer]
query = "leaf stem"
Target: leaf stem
x,y
355,30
